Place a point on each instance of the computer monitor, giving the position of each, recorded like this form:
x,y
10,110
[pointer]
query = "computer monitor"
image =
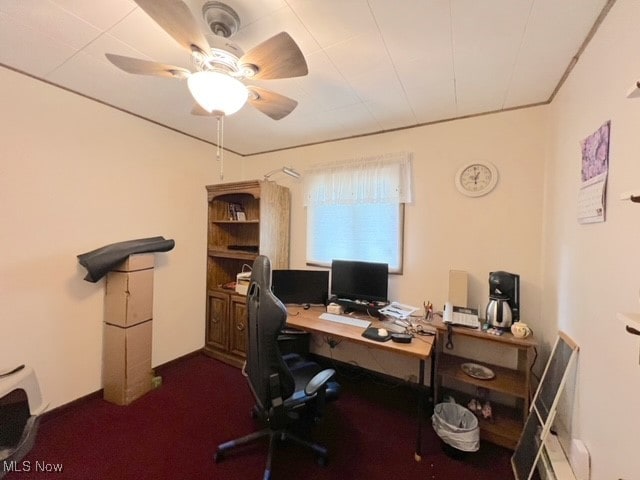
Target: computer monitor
x,y
355,280
301,286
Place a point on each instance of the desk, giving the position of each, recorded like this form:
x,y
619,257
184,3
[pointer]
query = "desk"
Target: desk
x,y
419,349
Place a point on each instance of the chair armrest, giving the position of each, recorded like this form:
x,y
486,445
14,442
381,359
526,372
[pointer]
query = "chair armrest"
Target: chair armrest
x,y
318,381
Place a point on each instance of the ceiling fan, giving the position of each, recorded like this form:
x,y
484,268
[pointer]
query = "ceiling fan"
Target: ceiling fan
x,y
220,65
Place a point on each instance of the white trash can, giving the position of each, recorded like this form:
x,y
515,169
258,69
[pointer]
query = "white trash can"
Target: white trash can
x,y
456,426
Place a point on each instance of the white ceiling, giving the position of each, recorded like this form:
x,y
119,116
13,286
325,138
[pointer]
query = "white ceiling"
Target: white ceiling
x,y
374,65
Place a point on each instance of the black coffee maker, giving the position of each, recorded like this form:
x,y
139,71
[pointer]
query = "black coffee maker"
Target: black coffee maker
x,y
504,299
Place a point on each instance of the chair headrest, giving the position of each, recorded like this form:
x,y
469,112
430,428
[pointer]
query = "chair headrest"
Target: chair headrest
x,y
261,271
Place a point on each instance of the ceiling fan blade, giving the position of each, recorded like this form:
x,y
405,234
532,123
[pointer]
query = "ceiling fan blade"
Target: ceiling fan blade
x,y
271,103
145,67
277,57
176,19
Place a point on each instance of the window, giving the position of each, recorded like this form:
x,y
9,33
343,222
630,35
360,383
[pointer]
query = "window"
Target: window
x,y
355,210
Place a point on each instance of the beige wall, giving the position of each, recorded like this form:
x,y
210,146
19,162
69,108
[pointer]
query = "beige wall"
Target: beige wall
x,y
443,229
592,271
76,175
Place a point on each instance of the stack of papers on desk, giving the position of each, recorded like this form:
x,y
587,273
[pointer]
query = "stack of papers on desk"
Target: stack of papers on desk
x,y
397,310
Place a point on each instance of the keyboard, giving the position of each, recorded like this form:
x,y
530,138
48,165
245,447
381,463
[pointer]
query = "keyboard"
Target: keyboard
x,y
355,322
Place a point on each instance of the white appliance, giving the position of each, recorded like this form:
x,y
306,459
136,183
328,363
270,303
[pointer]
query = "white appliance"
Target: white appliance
x,y
20,408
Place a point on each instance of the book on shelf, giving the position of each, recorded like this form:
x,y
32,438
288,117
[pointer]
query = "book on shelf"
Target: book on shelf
x,y
236,212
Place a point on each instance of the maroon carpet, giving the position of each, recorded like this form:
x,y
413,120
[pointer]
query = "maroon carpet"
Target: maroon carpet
x,y
172,433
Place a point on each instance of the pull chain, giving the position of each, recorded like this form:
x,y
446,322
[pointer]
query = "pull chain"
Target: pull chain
x,y
220,146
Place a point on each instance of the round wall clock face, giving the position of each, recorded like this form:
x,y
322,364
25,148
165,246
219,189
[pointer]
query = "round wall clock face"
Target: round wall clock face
x,y
477,178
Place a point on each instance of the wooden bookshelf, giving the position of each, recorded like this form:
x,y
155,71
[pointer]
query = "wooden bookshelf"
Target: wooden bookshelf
x,y
233,243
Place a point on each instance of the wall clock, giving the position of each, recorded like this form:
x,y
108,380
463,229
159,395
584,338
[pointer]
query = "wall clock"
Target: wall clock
x,y
477,178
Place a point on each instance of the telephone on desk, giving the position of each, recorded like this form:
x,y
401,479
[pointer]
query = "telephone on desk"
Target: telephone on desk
x,y
460,316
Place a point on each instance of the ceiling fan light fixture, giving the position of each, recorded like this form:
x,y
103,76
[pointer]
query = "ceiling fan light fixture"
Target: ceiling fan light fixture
x,y
217,92
248,70
221,18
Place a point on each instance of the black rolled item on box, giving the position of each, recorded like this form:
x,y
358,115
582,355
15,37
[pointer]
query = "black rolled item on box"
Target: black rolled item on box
x,y
100,261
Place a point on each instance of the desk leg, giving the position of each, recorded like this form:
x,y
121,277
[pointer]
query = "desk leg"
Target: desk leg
x,y
421,401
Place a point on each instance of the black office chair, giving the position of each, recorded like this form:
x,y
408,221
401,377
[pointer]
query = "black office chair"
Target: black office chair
x,y
286,390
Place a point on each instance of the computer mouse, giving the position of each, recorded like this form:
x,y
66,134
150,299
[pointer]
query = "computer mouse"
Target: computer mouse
x,y
382,332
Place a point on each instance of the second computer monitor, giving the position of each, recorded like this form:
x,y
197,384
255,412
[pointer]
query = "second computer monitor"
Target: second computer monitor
x,y
301,286
355,280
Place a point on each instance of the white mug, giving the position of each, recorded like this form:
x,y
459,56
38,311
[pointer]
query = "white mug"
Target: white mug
x,y
520,330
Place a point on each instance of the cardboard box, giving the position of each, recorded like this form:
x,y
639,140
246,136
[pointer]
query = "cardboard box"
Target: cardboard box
x,y
138,261
126,369
129,297
458,288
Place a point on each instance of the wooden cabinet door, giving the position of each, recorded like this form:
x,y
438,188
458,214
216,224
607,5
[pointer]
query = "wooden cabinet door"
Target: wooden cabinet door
x,y
217,325
238,336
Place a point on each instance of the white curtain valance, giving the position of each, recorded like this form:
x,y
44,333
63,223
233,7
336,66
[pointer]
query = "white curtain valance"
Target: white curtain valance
x,y
380,179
